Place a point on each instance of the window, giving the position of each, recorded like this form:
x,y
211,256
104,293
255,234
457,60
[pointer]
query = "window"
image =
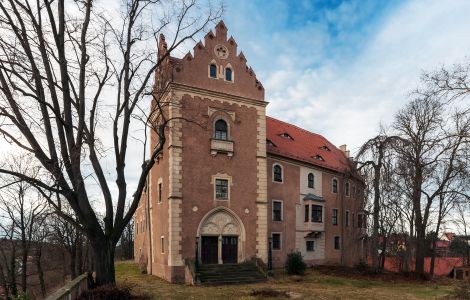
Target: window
x,y
346,188
286,136
334,185
162,244
310,245
346,218
306,212
276,241
277,173
221,189
353,220
317,213
310,180
318,157
337,243
228,74
221,130
335,216
213,71
354,192
277,211
160,192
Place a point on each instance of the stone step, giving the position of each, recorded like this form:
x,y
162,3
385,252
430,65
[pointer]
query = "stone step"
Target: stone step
x,y
230,274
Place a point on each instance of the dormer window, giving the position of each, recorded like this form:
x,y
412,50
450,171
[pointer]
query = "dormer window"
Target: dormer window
x,y
213,71
325,148
220,130
318,157
286,136
270,143
228,74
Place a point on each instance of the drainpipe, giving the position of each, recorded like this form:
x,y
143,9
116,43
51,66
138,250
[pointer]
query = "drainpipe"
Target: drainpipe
x,y
343,221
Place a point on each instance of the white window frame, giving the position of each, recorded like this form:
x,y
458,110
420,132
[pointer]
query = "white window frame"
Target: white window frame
x,y
160,192
282,173
223,177
282,210
306,248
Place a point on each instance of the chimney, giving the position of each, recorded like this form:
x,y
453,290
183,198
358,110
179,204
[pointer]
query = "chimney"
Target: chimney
x,y
344,149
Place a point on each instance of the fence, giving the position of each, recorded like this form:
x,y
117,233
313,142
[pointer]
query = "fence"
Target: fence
x,y
71,290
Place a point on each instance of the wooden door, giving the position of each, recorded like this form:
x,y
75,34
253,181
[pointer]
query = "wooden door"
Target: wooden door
x,y
209,250
229,249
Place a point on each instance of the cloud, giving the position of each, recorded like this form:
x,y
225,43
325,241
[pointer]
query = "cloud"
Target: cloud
x,y
351,66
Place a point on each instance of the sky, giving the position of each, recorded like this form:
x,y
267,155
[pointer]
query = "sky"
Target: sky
x,y
337,68
342,68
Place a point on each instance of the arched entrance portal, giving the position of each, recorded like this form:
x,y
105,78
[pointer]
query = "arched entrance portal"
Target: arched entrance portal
x,y
222,237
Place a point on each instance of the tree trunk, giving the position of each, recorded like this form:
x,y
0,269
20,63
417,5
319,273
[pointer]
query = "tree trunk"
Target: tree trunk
x,y
104,262
420,247
375,229
40,271
24,269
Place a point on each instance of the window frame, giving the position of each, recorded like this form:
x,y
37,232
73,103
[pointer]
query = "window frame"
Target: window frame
x,y
311,181
160,192
231,74
334,185
280,241
337,242
314,210
307,213
162,244
216,131
273,172
281,213
212,64
334,216
227,187
346,218
347,187
313,245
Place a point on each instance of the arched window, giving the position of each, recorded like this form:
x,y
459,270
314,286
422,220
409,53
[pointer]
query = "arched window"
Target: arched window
x,y
310,180
221,132
228,74
277,173
334,186
213,71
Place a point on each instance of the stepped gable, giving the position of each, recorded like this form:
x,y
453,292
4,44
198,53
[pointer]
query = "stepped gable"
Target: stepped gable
x,y
193,68
305,146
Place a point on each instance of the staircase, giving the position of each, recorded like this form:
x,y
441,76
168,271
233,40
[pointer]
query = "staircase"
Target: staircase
x,y
230,274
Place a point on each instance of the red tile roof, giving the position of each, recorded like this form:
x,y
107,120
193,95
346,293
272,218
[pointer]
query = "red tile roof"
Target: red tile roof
x,y
304,146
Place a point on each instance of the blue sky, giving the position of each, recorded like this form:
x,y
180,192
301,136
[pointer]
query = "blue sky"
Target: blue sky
x,y
340,68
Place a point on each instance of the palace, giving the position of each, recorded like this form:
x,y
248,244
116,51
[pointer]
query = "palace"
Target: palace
x,y
233,182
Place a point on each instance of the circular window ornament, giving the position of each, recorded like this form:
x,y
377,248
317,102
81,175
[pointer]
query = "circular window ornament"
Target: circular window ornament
x,y
221,51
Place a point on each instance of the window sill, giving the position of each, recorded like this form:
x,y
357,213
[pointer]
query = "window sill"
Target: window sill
x,y
221,146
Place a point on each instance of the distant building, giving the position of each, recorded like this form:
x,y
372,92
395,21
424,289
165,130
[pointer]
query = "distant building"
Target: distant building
x,y
240,181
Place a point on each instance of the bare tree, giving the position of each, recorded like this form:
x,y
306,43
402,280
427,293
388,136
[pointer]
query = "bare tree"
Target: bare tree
x,y
437,133
24,208
374,158
66,69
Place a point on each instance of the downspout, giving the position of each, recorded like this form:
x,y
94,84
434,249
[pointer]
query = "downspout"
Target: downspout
x,y
343,222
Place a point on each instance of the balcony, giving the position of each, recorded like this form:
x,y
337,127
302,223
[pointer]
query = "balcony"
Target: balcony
x,y
221,146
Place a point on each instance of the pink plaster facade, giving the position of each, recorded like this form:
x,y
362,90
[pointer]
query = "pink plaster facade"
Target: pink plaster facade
x,y
237,228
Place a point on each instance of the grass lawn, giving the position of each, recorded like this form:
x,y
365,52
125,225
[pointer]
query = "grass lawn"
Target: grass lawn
x,y
314,285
